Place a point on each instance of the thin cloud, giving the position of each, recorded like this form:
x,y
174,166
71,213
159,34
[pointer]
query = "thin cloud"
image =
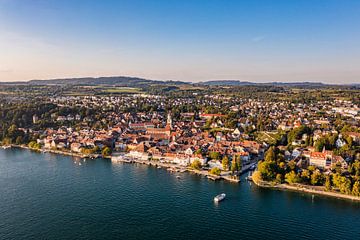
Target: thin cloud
x,y
258,39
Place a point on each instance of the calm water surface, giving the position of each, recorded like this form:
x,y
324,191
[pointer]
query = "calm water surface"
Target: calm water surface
x,y
45,196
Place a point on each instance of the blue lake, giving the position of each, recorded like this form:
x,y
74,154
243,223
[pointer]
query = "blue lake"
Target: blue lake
x,y
46,196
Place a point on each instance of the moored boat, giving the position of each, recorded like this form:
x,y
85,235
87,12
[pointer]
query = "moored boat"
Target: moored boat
x,y
219,197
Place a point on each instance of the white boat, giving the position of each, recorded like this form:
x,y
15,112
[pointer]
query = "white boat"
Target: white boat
x,y
6,147
219,197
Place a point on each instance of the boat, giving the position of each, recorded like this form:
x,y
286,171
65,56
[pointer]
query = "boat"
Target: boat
x,y
219,197
178,177
6,147
159,167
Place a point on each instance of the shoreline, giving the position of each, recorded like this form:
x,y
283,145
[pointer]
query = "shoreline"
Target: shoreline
x,y
177,169
170,167
305,189
181,169
71,154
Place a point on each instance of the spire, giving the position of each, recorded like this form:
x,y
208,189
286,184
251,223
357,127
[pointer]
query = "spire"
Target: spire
x,y
169,120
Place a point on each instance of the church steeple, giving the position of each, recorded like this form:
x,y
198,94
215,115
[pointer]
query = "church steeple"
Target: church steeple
x,y
169,121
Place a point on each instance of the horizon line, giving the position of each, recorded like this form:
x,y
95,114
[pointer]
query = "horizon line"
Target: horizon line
x,y
172,80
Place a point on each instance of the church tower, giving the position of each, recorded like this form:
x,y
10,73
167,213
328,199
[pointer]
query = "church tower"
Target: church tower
x,y
169,121
168,126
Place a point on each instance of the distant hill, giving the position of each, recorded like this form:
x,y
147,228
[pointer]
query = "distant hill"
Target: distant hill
x,y
123,81
114,81
246,83
226,83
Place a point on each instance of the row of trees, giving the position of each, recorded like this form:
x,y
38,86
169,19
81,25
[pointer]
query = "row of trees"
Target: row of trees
x,y
275,169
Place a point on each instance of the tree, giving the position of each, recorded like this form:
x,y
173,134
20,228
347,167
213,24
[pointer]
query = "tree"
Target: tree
x,y
239,163
234,166
292,165
196,164
34,145
214,155
270,155
305,176
279,178
342,183
215,171
316,178
292,177
198,151
106,151
345,186
19,140
267,170
354,168
328,184
225,163
356,188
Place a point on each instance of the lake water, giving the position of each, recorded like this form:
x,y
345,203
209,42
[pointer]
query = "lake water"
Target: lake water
x,y
46,196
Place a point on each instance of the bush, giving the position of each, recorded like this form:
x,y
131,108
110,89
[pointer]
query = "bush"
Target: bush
x,y
215,171
196,164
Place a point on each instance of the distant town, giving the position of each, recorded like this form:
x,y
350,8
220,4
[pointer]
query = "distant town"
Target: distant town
x,y
303,138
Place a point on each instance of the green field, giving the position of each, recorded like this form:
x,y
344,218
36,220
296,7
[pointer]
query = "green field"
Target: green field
x,y
121,90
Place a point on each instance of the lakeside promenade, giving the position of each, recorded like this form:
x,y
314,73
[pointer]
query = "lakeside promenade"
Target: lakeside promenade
x,y
304,189
178,168
169,166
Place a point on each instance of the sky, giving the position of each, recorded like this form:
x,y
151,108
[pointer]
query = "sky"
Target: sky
x,y
187,40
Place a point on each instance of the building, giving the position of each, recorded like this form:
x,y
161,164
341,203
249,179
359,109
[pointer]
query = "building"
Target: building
x,y
326,159
35,119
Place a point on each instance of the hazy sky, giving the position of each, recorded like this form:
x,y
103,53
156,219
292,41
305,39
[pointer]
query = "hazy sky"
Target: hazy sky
x,y
189,40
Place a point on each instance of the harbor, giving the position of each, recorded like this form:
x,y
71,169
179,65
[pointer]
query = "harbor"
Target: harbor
x,y
175,168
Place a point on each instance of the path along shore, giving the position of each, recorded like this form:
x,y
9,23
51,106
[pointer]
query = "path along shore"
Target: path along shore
x,y
304,189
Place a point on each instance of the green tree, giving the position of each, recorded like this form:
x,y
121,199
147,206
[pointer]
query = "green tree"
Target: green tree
x,y
292,177
198,151
356,188
214,155
215,171
328,184
225,163
234,166
19,140
279,178
267,170
306,176
342,183
196,165
292,165
270,155
106,151
317,178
